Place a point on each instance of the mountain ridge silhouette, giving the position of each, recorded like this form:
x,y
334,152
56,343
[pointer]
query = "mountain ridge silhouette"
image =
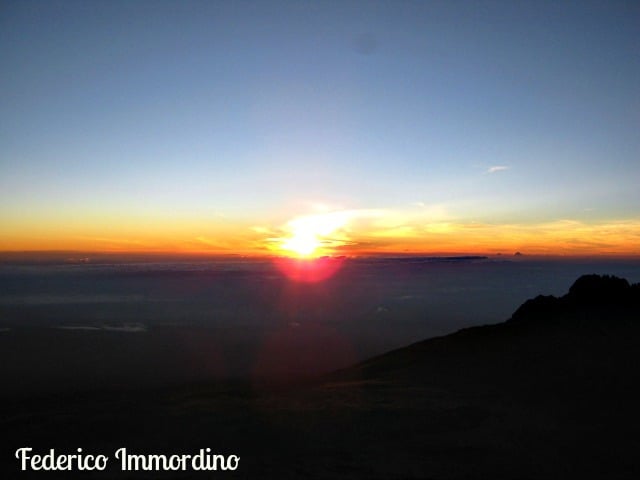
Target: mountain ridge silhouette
x,y
593,326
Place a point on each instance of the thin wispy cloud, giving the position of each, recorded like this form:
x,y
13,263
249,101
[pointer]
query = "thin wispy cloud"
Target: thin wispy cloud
x,y
497,168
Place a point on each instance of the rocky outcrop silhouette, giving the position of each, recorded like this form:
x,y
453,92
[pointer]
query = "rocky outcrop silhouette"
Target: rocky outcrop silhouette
x,y
603,298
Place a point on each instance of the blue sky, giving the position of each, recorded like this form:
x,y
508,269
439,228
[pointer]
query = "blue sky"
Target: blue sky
x,y
256,110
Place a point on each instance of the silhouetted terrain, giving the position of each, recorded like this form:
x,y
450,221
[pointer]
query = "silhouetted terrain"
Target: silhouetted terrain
x,y
550,393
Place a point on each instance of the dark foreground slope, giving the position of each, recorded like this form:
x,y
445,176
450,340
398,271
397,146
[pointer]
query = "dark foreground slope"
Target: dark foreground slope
x,y
551,393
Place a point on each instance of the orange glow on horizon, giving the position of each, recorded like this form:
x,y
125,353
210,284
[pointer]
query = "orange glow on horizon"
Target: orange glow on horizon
x,y
348,232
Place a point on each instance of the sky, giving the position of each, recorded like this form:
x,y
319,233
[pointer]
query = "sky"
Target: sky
x,y
309,128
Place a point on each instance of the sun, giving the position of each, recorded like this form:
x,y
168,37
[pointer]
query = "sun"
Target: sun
x,y
313,235
302,245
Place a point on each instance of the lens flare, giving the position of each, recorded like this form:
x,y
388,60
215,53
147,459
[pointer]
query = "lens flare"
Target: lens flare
x,y
310,270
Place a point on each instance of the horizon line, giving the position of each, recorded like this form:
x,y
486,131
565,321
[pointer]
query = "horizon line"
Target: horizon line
x,y
88,256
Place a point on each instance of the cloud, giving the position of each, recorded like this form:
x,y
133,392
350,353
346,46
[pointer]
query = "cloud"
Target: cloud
x,y
497,168
401,231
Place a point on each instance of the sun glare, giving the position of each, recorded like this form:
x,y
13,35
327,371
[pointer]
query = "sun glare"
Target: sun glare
x,y
302,245
314,235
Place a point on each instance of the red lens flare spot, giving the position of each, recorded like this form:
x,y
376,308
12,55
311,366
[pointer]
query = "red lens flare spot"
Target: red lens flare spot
x,y
310,270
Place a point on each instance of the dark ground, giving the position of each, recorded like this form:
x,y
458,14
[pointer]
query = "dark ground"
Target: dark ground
x,y
551,393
